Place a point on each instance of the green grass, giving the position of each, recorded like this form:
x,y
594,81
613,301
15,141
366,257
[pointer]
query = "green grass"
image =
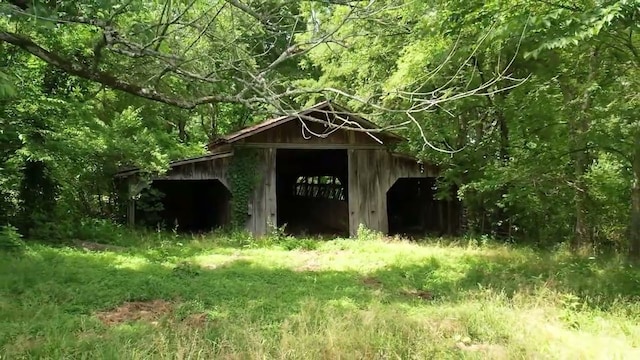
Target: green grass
x,y
350,299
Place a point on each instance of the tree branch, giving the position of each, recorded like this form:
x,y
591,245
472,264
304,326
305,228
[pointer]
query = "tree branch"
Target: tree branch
x,y
107,79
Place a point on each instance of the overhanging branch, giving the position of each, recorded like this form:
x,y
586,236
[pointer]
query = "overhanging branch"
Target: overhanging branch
x,y
107,79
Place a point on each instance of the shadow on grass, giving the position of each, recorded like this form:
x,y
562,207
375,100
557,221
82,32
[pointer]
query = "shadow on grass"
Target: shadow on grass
x,y
78,283
48,296
172,248
598,284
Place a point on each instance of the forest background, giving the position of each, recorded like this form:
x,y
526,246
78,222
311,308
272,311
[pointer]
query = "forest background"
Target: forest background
x,y
529,106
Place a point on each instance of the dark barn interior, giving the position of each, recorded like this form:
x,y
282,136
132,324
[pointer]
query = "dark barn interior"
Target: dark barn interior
x,y
193,205
312,191
414,210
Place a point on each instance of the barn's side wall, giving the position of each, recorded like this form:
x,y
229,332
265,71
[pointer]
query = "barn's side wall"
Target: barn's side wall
x,y
262,207
214,168
371,175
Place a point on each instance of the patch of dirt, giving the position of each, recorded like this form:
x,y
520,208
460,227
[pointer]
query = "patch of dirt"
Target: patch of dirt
x,y
148,311
372,282
196,320
309,260
422,294
311,264
93,246
313,260
308,267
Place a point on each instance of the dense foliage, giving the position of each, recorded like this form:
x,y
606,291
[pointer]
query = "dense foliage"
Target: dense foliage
x,y
530,106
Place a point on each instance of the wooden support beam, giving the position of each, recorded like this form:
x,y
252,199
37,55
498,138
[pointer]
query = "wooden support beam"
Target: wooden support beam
x,y
310,146
131,213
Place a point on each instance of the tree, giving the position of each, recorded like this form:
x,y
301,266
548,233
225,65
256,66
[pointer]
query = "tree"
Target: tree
x,y
544,160
166,48
610,29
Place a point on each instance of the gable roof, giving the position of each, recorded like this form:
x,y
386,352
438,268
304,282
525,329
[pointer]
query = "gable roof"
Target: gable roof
x,y
325,106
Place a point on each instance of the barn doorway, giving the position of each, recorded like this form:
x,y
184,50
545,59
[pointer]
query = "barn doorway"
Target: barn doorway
x,y
192,206
414,210
312,191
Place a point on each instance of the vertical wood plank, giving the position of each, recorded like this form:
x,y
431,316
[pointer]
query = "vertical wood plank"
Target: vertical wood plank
x,y
271,202
354,196
131,213
131,203
368,190
372,172
263,200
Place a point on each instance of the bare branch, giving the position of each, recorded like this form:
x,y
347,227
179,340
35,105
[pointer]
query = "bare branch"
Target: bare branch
x,y
80,70
247,77
248,10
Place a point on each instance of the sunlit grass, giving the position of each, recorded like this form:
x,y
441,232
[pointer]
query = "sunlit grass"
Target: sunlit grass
x,y
228,297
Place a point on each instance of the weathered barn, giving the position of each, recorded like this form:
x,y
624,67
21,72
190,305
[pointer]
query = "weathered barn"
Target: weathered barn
x,y
322,170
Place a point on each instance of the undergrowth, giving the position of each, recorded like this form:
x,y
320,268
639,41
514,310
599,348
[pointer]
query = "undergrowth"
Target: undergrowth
x,y
226,295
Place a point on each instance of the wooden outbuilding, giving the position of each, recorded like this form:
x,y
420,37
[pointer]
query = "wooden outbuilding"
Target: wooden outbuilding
x,y
321,170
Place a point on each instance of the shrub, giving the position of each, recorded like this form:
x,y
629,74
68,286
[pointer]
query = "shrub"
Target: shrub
x,y
11,239
104,231
292,243
366,234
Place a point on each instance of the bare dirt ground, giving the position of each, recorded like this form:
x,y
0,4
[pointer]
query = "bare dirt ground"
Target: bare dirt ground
x,y
148,311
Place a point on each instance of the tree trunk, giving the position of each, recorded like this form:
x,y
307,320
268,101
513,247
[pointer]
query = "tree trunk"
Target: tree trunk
x,y
504,137
500,221
582,232
578,128
634,229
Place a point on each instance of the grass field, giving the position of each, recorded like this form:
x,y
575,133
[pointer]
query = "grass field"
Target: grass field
x,y
218,298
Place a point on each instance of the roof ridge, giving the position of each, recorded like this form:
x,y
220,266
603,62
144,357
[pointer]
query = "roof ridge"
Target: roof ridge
x,y
276,121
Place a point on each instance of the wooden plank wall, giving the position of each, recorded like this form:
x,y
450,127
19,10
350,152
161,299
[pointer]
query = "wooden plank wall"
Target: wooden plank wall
x,y
371,175
263,204
367,173
202,170
212,169
291,133
262,207
372,172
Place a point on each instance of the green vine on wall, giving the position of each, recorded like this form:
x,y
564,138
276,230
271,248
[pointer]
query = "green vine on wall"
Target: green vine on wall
x,y
244,175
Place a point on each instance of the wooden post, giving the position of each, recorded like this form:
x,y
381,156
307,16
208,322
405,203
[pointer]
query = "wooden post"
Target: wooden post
x,y
352,192
131,203
131,213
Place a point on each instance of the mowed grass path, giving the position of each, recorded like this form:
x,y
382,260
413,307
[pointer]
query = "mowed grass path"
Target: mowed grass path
x,y
345,299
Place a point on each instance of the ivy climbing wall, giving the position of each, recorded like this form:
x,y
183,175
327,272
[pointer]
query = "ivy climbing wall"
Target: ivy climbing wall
x,y
252,177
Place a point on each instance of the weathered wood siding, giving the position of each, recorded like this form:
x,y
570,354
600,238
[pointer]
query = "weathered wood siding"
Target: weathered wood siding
x,y
371,175
294,133
262,207
202,170
372,172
